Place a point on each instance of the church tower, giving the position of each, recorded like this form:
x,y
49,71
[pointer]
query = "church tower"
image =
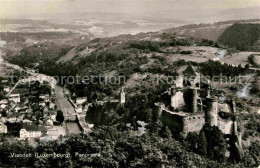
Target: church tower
x,y
122,96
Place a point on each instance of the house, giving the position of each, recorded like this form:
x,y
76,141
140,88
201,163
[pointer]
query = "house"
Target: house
x,y
47,98
17,109
6,89
51,105
12,118
42,96
30,70
42,103
32,131
3,128
49,123
55,132
27,121
79,109
45,112
4,81
53,115
81,100
15,97
85,108
3,119
4,101
3,106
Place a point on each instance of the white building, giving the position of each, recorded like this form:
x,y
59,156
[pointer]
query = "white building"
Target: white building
x,y
6,89
79,109
52,105
31,131
122,96
15,97
42,103
30,70
45,97
29,134
81,100
3,128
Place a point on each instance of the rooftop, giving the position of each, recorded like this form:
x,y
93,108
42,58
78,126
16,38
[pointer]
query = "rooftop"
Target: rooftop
x,y
32,127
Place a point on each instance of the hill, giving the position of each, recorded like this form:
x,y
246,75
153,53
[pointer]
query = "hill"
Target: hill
x,y
242,36
206,31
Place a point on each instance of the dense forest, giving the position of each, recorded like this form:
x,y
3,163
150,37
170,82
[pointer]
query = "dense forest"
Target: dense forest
x,y
110,147
243,37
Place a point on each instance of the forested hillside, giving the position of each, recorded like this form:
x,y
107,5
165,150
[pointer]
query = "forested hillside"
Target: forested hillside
x,y
243,37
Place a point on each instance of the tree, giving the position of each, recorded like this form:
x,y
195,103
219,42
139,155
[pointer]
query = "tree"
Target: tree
x,y
216,143
167,133
202,143
4,113
60,116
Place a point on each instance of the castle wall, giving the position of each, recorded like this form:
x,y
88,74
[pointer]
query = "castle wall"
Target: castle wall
x,y
183,123
226,126
195,122
173,121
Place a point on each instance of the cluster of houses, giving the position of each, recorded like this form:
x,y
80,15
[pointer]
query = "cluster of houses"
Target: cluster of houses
x,y
37,118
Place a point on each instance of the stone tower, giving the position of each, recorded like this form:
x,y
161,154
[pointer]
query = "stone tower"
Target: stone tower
x,y
194,100
122,96
211,115
159,108
172,93
208,91
191,99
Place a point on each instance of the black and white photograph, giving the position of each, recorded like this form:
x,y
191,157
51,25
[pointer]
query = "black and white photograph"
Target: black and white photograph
x,y
130,83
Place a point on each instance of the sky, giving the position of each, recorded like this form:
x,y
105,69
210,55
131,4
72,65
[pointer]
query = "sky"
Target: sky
x,y
14,8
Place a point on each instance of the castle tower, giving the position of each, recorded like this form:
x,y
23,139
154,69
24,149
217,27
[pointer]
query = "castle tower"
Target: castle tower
x,y
159,108
194,100
172,90
234,106
191,100
211,115
208,88
122,96
208,91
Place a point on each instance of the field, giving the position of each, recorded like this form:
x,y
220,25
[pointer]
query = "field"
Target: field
x,y
72,128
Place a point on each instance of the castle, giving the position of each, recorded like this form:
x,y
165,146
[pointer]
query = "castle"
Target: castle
x,y
193,105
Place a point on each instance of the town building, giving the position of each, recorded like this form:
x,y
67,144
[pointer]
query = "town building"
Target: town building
x,y
79,109
15,97
42,103
7,89
55,132
30,70
122,96
32,131
3,128
81,100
